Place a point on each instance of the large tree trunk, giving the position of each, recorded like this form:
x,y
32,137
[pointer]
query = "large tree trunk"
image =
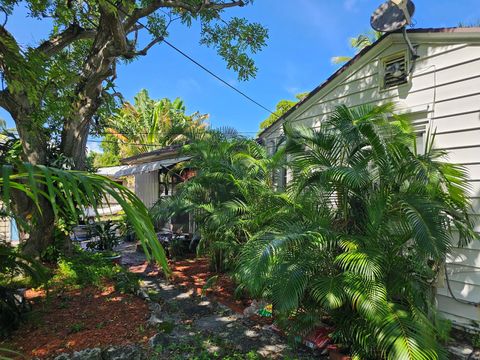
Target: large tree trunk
x,y
98,67
40,219
40,234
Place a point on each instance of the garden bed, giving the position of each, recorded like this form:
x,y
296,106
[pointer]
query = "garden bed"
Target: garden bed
x,y
79,319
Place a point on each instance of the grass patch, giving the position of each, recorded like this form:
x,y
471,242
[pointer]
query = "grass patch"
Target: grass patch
x,y
87,269
77,327
201,347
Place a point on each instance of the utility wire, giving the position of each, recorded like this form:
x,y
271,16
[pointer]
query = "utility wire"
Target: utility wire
x,y
138,22
217,77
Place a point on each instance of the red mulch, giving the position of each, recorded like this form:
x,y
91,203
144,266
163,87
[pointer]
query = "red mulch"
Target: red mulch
x,y
194,273
91,317
80,319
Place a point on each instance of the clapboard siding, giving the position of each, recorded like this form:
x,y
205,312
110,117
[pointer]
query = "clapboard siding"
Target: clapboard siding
x,y
461,290
464,155
457,311
443,93
457,122
146,187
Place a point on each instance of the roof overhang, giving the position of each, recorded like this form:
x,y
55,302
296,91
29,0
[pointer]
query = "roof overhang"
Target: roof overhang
x,y
127,170
166,152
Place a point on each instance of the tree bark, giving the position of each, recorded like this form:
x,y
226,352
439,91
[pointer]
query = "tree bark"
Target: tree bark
x,y
98,68
40,232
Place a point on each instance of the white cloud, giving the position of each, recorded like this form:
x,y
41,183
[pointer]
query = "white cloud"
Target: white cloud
x,y
293,90
321,17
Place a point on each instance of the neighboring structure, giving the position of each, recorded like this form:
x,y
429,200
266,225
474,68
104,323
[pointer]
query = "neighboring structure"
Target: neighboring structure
x,y
442,93
151,176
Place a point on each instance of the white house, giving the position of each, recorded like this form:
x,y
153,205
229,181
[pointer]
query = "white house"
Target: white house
x,y
440,90
152,176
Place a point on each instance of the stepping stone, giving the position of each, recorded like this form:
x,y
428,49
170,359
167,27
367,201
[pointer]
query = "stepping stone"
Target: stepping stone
x,y
215,323
88,354
127,352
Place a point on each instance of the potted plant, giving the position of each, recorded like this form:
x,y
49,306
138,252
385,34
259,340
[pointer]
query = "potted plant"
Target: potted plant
x,y
106,239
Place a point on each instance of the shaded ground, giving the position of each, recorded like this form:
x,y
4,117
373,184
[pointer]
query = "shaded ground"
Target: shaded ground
x,y
201,325
194,273
169,320
80,319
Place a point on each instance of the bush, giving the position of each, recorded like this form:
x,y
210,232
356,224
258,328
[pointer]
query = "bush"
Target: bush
x,y
365,227
107,238
16,270
358,236
85,268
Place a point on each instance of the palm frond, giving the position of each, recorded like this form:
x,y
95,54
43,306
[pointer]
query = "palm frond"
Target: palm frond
x,y
73,191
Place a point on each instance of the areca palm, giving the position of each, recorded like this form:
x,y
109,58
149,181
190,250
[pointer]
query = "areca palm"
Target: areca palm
x,y
232,174
368,225
358,44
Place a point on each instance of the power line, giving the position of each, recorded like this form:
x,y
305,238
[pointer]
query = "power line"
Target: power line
x,y
138,22
217,77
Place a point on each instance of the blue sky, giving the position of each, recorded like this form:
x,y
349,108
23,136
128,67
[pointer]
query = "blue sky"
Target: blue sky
x,y
304,35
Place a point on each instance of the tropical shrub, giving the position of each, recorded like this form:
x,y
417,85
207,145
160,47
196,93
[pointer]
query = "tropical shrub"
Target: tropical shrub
x,y
232,174
106,234
369,223
15,266
85,268
356,240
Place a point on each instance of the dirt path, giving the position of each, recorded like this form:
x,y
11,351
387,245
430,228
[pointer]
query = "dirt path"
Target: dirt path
x,y
191,323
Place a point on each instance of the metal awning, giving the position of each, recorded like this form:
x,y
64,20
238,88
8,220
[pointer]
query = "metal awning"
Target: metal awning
x,y
126,170
111,171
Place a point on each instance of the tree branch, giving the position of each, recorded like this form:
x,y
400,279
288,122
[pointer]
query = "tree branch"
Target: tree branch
x,y
140,13
8,46
6,101
71,34
144,51
115,25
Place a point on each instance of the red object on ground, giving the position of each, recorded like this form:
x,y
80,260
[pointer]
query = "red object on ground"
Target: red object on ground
x,y
319,338
335,353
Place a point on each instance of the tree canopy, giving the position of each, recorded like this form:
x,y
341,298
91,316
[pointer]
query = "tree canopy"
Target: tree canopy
x,y
281,108
58,91
61,87
147,125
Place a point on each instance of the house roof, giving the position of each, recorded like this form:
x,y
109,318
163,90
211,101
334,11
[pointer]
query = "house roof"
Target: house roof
x,y
357,57
159,154
117,172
